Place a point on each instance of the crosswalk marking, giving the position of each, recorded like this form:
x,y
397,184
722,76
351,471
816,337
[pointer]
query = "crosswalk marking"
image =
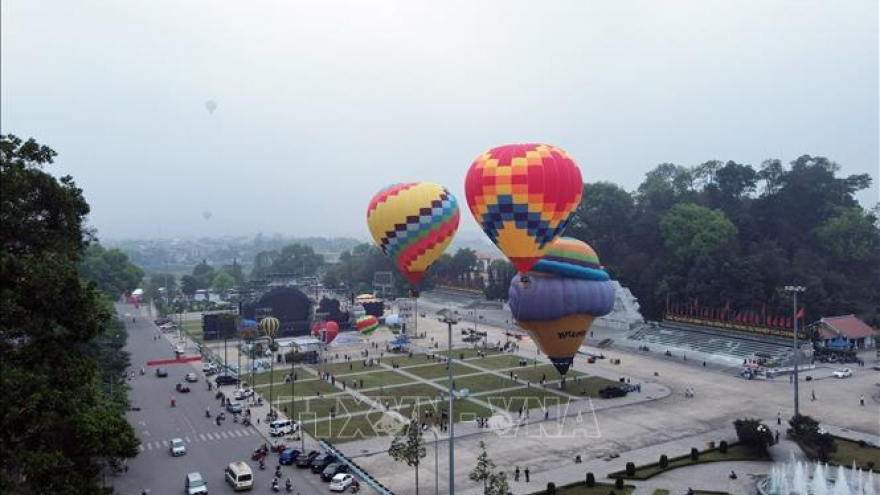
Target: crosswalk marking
x,y
199,437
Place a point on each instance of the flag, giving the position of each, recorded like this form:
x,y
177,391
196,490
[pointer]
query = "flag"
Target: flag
x,y
800,314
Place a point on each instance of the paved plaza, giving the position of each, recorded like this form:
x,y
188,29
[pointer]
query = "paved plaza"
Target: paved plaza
x,y
605,433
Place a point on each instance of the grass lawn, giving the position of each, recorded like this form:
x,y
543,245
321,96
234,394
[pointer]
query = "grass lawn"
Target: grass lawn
x,y
405,394
465,410
437,370
849,451
467,352
598,489
527,398
375,379
303,388
341,430
547,370
736,452
478,383
194,329
315,408
589,386
500,362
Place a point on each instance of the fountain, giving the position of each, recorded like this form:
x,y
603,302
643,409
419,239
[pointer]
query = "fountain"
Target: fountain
x,y
802,478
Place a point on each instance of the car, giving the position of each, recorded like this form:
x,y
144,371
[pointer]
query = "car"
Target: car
x,y
168,326
471,338
305,460
288,456
195,484
162,372
341,482
332,470
322,461
611,392
207,366
183,389
877,366
191,377
234,407
226,379
842,373
177,447
179,350
243,393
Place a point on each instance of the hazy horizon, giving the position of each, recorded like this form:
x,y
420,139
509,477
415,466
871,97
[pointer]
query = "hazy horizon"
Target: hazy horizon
x,y
320,105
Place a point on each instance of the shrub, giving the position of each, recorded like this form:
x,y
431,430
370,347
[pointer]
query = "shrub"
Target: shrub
x,y
619,484
551,488
591,480
612,492
722,447
871,465
753,434
664,461
630,469
695,454
862,444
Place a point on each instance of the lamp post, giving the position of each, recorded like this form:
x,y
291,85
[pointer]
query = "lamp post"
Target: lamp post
x,y
436,470
269,326
794,290
450,320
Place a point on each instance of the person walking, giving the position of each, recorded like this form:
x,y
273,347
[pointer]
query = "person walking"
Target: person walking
x,y
516,474
861,400
778,418
813,395
526,473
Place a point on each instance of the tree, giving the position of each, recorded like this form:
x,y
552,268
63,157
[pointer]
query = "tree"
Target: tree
x,y
204,274
189,285
753,434
494,482
53,328
408,446
110,270
222,283
690,230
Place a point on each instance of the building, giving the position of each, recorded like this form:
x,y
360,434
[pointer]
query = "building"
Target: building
x,y
848,331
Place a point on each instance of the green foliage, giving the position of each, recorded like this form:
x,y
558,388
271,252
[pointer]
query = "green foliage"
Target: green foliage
x,y
722,447
664,462
60,347
408,446
551,488
805,431
110,270
204,275
695,454
618,483
630,469
222,283
753,434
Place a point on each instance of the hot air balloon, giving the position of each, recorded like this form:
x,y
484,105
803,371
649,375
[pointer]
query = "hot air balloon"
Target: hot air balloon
x,y
270,325
568,291
207,215
522,196
413,224
326,332
366,325
211,105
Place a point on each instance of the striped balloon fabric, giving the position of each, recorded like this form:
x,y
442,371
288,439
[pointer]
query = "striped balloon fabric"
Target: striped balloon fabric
x,y
367,324
413,224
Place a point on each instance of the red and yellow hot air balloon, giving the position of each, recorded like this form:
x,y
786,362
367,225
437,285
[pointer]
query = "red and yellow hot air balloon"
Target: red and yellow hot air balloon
x,y
413,224
367,324
522,196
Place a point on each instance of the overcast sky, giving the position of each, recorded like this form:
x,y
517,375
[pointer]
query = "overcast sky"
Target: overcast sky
x,y
322,103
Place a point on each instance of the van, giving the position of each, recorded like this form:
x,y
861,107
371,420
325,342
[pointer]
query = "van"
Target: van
x,y
282,427
239,476
195,484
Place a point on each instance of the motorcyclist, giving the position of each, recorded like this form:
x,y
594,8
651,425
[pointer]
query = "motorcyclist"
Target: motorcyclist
x,y
207,412
288,485
278,471
275,484
262,463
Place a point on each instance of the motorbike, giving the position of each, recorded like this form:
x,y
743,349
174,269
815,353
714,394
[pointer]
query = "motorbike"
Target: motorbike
x,y
355,487
173,403
235,418
275,487
143,371
262,464
222,416
245,422
288,486
207,413
260,452
218,395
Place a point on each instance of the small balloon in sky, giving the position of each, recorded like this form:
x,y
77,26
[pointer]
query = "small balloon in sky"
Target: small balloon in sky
x,y
207,215
211,105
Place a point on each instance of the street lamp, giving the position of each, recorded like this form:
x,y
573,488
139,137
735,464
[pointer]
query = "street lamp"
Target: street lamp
x,y
451,320
269,326
794,290
436,457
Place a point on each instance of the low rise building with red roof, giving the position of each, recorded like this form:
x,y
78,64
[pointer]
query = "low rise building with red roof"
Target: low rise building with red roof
x,y
849,329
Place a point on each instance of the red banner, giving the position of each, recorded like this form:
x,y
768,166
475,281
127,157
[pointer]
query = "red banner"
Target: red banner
x,y
182,360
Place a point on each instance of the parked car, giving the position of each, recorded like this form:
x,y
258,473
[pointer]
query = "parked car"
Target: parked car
x,y
177,447
341,482
842,373
332,470
162,372
305,460
288,457
243,393
471,338
191,377
612,392
234,407
226,379
322,461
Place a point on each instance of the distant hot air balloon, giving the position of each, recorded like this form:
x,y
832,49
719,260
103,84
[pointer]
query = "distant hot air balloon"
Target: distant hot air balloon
x,y
366,325
522,196
207,215
568,291
270,325
413,224
211,105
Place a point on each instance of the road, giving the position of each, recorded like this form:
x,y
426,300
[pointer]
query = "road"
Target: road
x,y
209,447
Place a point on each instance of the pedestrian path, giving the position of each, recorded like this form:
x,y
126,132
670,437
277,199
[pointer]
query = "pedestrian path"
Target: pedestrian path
x,y
201,437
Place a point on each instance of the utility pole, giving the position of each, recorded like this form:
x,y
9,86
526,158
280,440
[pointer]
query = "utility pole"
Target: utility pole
x,y
451,320
794,290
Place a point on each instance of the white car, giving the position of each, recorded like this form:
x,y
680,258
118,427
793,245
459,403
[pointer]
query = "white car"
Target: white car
x,y
842,373
341,482
177,447
244,393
